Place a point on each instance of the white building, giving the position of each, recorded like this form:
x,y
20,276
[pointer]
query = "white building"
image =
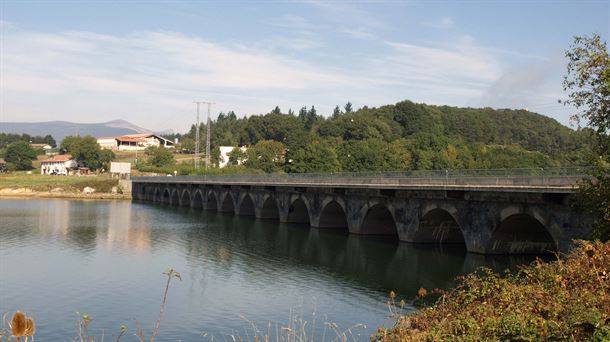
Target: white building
x,y
58,165
224,155
133,142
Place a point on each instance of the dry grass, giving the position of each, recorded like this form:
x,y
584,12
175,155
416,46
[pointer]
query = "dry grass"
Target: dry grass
x,y
37,182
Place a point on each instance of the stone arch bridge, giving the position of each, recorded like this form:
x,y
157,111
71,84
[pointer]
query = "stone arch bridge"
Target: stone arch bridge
x,y
490,215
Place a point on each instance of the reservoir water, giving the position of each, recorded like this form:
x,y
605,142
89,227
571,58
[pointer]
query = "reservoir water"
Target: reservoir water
x,y
63,258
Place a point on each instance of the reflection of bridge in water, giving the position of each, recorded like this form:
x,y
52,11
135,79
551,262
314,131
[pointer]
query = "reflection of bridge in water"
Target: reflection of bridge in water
x,y
490,211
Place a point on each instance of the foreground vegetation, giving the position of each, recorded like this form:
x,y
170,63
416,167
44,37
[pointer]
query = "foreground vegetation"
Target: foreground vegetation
x,y
564,300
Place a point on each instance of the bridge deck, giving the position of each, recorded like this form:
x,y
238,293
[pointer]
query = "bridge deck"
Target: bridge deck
x,y
551,184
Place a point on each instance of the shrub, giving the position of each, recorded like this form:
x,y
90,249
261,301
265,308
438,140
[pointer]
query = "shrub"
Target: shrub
x,y
563,300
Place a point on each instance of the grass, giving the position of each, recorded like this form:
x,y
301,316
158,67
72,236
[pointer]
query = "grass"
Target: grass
x,y
564,300
37,182
22,326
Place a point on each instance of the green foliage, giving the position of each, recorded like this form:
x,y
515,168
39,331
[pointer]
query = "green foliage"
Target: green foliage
x,y
362,155
409,136
159,156
313,158
588,85
564,300
593,197
510,156
348,107
20,155
86,151
266,155
237,156
9,138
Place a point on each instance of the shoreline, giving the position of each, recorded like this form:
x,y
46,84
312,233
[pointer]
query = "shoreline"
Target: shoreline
x,y
28,193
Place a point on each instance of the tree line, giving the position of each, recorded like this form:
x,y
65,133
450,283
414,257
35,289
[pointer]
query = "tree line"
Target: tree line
x,y
403,136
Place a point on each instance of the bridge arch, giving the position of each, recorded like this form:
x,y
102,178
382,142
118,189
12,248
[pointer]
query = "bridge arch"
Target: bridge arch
x,y
246,206
378,220
227,203
157,195
185,199
175,198
333,215
197,200
438,225
521,233
166,197
212,201
298,212
269,209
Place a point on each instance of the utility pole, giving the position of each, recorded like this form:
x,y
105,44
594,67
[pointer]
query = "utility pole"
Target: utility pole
x,y
197,137
207,143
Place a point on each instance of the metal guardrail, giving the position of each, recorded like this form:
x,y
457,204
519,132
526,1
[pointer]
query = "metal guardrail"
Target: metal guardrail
x,y
534,177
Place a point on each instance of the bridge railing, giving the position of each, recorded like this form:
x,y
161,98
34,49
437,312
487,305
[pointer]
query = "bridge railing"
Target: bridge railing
x,y
532,177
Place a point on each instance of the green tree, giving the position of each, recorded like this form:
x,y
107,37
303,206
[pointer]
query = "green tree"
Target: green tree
x,y
588,85
276,110
314,158
105,157
336,112
396,156
237,156
159,156
362,155
303,114
266,155
20,155
348,108
311,118
86,151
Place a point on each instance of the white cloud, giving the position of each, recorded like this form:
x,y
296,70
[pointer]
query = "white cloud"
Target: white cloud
x,y
442,23
358,33
140,76
151,78
293,22
460,70
535,85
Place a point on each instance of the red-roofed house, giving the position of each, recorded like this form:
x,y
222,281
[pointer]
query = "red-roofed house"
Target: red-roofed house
x,y
133,142
61,164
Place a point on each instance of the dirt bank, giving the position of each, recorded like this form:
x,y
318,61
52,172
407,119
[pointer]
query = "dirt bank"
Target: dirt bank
x,y
29,193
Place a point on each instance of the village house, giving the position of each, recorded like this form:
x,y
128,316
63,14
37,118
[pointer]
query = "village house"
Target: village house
x,y
134,142
62,164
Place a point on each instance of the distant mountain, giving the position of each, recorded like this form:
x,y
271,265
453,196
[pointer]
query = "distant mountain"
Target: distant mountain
x,y
61,129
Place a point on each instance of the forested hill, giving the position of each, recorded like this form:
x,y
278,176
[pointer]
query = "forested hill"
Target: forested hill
x,y
404,136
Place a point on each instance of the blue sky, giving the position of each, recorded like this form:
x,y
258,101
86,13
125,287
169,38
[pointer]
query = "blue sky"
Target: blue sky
x,y
95,61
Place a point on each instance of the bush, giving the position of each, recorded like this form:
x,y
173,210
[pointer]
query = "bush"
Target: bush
x,y
564,300
159,157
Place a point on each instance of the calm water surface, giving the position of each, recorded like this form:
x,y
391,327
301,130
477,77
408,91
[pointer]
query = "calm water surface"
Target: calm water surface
x,y
105,258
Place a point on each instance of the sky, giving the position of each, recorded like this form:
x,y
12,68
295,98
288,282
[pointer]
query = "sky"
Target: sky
x,y
147,61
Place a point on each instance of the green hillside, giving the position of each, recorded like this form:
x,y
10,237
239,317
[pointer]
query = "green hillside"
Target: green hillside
x,y
402,136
